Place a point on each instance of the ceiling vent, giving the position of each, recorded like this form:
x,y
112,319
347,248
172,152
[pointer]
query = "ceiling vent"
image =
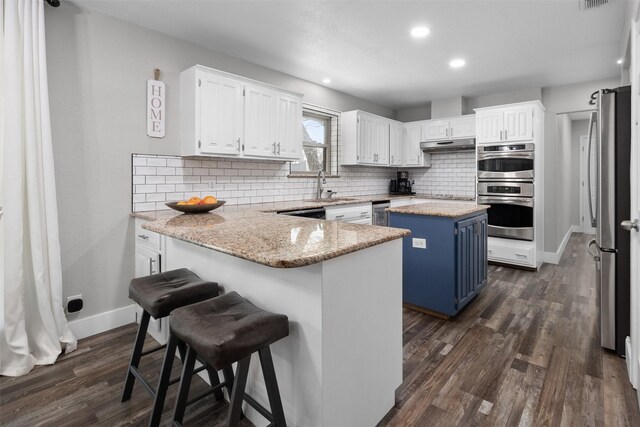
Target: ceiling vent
x,y
591,4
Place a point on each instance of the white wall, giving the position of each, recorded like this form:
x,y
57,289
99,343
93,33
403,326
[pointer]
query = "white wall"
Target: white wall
x,y
510,97
98,67
422,112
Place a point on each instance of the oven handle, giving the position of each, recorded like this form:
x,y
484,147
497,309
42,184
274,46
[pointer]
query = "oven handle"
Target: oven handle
x,y
519,201
488,156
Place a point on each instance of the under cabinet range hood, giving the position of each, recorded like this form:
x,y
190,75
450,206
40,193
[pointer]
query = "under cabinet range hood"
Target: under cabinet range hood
x,y
448,145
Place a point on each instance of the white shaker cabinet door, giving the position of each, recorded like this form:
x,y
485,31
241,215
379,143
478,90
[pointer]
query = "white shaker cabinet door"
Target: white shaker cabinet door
x,y
381,142
289,128
220,114
396,144
489,126
463,127
412,152
260,111
518,123
366,140
433,130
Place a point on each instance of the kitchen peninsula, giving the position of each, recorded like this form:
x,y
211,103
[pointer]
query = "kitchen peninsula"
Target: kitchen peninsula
x,y
340,284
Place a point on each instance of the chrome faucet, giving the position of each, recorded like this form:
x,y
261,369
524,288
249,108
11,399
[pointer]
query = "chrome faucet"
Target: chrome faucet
x,y
321,180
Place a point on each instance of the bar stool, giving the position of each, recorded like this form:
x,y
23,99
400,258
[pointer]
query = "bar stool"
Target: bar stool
x,y
222,331
158,295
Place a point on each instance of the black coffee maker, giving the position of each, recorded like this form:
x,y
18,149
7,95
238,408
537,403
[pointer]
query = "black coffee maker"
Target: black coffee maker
x,y
402,185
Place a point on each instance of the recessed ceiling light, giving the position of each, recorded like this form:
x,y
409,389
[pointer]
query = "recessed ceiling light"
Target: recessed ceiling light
x,y
619,61
326,81
457,63
420,32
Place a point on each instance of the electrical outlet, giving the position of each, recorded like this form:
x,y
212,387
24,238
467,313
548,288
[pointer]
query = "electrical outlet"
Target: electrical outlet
x,y
212,185
419,243
74,303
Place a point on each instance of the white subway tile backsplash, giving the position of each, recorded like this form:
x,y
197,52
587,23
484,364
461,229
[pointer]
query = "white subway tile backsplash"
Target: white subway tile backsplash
x,y
157,179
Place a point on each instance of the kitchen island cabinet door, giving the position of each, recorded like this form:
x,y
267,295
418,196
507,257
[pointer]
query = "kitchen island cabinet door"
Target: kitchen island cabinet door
x,y
471,262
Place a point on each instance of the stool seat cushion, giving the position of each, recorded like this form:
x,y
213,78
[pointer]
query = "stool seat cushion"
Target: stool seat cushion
x,y
160,294
226,329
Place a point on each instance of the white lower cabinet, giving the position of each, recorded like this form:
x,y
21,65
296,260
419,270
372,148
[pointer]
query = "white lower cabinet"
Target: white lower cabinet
x,y
148,261
512,252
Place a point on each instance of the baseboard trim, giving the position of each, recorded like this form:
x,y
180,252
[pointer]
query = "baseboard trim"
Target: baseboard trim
x,y
554,257
103,322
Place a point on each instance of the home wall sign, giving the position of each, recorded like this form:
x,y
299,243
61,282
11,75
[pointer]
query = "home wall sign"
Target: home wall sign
x,y
155,106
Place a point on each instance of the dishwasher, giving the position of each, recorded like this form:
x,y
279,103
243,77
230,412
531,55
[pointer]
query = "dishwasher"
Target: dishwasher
x,y
380,214
356,213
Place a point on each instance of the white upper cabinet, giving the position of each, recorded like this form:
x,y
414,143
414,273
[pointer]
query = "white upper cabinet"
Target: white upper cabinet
x,y
396,144
220,118
451,128
433,130
230,116
260,112
413,155
518,123
289,128
505,123
463,127
365,139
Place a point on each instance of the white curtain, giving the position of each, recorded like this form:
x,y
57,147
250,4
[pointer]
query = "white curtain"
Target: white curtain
x,y
33,328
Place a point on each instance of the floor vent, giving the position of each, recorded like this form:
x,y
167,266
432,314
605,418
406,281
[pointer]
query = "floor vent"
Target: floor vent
x,y
592,4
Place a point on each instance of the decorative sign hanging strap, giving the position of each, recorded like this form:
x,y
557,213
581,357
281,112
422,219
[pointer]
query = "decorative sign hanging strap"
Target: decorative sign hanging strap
x,y
155,106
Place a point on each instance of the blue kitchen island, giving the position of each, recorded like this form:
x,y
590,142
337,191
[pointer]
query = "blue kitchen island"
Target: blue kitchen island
x,y
445,257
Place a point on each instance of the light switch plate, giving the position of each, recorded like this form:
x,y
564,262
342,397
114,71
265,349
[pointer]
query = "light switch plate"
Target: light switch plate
x,y
419,243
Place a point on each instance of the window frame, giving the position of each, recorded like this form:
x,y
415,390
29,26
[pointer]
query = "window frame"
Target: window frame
x,y
308,111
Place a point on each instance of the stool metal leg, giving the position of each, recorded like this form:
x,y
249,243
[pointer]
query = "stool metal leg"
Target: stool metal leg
x,y
163,382
272,387
135,356
237,396
185,384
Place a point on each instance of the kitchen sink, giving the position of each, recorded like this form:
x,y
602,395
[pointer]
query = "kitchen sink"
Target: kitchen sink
x,y
332,200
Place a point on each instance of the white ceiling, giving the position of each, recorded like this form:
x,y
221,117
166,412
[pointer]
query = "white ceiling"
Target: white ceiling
x,y
366,50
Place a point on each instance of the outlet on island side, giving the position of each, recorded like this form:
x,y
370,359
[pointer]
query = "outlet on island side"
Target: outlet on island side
x,y
419,243
74,303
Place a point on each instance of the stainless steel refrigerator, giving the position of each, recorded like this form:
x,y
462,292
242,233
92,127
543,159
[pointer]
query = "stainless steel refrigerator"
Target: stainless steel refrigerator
x,y
610,127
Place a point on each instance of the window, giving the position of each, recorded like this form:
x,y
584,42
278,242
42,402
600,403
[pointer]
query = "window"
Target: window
x,y
319,133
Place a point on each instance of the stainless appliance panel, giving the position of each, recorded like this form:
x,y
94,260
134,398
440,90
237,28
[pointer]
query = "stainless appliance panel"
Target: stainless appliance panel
x,y
606,279
593,121
518,233
508,176
380,214
509,189
606,191
508,147
509,217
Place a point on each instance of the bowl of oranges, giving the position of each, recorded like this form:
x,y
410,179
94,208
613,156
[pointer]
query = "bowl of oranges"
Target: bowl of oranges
x,y
196,205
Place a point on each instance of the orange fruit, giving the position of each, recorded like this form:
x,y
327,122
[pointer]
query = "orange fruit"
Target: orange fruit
x,y
182,203
194,200
210,200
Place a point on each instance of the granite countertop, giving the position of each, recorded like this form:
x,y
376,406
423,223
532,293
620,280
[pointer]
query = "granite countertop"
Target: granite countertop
x,y
279,241
444,209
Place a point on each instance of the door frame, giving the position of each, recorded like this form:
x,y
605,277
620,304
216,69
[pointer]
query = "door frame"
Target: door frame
x,y
585,224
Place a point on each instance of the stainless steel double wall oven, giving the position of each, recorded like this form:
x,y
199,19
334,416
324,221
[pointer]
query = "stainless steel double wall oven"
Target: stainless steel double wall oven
x,y
505,181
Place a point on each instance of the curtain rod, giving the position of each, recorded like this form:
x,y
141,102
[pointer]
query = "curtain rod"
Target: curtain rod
x,y
53,3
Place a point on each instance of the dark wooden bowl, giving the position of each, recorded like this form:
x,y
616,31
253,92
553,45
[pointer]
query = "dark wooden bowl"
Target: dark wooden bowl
x,y
195,209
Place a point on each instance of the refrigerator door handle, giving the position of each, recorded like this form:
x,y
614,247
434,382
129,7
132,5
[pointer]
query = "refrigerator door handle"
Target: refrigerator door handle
x,y
594,255
592,121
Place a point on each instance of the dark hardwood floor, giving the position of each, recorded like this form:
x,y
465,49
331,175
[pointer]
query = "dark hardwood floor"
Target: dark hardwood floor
x,y
525,352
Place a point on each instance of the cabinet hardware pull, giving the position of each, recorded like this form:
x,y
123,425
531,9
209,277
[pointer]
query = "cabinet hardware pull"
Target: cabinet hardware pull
x,y
151,262
506,135
274,148
501,135
451,132
339,216
238,141
278,148
143,236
